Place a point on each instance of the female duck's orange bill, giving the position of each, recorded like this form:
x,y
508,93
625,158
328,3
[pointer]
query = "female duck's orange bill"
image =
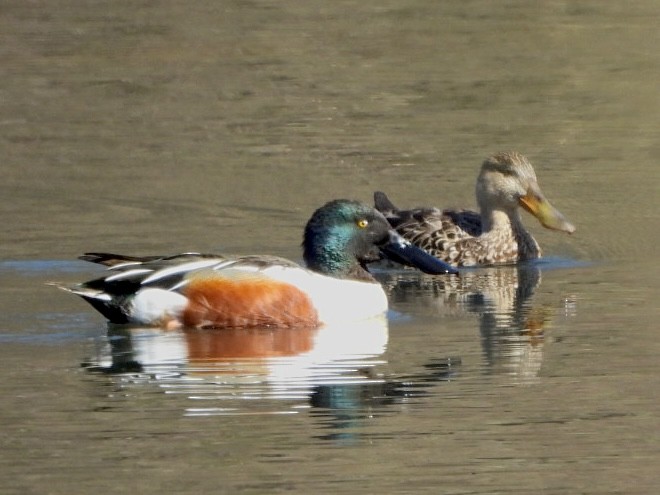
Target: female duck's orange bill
x,y
551,218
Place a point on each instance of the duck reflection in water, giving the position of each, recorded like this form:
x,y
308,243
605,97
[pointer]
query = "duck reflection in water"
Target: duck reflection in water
x,y
511,324
273,354
333,369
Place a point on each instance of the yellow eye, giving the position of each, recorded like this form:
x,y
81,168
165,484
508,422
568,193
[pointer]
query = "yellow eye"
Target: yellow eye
x,y
362,223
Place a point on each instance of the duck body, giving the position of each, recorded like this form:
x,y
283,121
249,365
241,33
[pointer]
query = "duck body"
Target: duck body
x,y
197,290
457,236
495,234
211,291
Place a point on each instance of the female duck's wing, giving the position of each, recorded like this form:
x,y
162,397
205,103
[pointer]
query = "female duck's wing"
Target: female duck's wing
x,y
431,229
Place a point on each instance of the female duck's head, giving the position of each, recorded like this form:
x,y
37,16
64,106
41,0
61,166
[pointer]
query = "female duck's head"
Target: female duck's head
x,y
508,181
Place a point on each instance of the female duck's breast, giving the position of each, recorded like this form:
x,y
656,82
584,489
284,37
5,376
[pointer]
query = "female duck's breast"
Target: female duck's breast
x,y
247,302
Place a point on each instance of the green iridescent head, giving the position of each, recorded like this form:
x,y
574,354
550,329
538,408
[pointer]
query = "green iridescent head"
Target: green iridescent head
x,y
343,236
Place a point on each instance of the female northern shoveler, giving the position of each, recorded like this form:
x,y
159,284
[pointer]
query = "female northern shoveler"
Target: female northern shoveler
x,y
493,236
251,291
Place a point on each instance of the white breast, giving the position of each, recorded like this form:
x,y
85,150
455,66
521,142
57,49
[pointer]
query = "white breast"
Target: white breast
x,y
336,300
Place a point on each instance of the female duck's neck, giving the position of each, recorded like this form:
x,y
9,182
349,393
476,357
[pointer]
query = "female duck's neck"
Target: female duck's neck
x,y
500,224
498,221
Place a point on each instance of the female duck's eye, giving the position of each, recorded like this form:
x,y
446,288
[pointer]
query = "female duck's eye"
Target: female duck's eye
x,y
362,223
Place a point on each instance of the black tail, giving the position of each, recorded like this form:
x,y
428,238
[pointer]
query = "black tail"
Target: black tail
x,y
111,310
383,204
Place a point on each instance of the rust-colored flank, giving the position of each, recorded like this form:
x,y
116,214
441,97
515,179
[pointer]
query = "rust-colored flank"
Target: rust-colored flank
x,y
246,303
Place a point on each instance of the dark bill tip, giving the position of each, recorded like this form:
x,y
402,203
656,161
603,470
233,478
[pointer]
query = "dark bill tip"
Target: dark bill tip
x,y
401,251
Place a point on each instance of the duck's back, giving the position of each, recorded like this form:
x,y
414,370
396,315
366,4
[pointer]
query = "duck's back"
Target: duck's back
x,y
446,234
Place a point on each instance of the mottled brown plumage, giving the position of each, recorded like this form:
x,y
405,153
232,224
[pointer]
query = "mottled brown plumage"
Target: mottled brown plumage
x,y
496,234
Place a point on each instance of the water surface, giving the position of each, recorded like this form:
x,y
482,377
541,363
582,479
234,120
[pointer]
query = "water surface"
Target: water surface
x,y
163,127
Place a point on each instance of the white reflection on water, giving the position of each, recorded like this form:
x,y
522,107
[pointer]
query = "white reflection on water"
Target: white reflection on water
x,y
244,364
336,370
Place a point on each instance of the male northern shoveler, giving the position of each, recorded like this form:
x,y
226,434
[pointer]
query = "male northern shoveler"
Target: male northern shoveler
x,y
201,290
495,235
